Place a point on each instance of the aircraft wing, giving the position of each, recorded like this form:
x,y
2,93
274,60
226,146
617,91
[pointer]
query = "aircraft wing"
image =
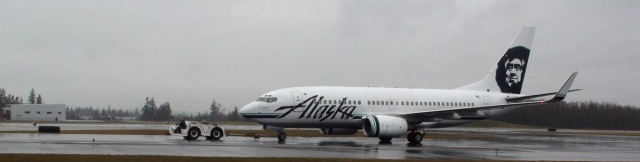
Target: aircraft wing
x,y
522,98
559,96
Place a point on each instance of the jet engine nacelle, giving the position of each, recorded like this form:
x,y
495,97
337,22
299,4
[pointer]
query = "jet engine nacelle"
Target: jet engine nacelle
x,y
384,126
338,131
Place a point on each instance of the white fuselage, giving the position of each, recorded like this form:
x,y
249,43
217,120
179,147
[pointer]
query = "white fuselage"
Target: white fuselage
x,y
343,107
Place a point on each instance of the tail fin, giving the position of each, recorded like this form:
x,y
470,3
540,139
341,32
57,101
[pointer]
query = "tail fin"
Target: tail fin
x,y
507,76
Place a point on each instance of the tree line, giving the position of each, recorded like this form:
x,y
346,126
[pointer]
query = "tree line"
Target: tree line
x,y
151,112
79,113
577,115
216,113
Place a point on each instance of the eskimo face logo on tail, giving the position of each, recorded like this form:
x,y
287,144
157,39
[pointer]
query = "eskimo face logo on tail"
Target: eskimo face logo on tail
x,y
511,69
313,110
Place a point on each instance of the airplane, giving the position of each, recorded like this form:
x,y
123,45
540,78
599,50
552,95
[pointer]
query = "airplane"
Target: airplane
x,y
387,113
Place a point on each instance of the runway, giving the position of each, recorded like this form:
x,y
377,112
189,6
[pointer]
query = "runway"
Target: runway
x,y
505,144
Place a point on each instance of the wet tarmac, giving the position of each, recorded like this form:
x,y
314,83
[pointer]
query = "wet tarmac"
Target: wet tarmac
x,y
505,144
24,126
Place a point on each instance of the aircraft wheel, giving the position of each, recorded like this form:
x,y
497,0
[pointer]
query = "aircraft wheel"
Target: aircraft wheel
x,y
414,137
193,133
216,133
282,136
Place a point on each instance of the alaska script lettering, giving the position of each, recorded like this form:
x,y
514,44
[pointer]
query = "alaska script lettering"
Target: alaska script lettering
x,y
313,109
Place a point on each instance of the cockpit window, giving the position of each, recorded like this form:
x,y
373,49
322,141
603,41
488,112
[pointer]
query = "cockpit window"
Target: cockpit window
x,y
267,99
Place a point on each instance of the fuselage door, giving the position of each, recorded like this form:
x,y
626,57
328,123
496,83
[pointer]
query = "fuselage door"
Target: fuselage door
x,y
297,97
487,100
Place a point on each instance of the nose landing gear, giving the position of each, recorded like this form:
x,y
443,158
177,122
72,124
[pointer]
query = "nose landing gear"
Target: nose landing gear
x,y
282,137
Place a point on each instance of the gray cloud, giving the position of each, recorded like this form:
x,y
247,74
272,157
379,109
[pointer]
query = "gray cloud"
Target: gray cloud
x,y
96,53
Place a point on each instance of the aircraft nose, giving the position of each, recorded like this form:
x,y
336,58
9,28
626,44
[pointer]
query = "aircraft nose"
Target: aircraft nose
x,y
247,108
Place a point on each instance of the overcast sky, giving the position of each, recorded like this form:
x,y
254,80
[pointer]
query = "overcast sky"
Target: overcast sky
x,y
100,53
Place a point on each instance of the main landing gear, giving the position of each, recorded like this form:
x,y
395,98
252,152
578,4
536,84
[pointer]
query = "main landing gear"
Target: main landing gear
x,y
414,137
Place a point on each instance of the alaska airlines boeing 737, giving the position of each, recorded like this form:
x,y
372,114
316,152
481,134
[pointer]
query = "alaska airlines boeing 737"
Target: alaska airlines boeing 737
x,y
393,112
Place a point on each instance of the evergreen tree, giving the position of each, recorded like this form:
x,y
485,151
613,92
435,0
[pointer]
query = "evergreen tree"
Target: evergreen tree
x,y
234,115
146,110
214,110
164,112
153,109
32,97
39,99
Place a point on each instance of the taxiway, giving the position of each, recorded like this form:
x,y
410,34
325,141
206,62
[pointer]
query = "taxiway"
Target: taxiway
x,y
504,144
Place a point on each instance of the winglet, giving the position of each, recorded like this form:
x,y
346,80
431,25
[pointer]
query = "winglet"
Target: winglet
x,y
565,89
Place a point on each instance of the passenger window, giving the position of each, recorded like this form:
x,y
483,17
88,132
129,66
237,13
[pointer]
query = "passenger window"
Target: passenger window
x,y
358,102
368,102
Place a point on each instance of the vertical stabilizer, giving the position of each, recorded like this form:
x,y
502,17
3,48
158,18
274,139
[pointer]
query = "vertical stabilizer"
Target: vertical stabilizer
x,y
507,76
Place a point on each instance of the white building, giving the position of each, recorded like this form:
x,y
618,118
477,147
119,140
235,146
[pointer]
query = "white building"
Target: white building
x,y
38,112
